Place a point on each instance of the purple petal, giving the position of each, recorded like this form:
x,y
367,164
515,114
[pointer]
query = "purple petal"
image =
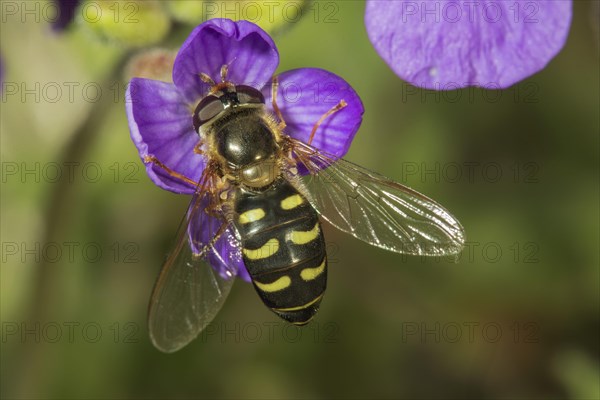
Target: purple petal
x,y
226,258
305,95
248,50
160,123
448,44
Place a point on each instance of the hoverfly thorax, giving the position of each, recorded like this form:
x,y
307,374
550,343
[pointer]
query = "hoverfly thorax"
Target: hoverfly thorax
x,y
231,118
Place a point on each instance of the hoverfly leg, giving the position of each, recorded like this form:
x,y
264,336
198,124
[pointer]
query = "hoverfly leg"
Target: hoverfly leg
x,y
342,103
198,147
207,247
274,88
174,174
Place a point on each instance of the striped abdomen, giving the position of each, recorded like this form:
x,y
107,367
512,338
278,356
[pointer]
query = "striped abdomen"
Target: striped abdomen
x,y
283,250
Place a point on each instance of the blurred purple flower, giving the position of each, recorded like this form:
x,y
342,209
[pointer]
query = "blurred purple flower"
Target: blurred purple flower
x,y
66,14
447,44
161,121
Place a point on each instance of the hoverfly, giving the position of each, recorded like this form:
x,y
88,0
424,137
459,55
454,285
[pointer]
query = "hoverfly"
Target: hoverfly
x,y
261,196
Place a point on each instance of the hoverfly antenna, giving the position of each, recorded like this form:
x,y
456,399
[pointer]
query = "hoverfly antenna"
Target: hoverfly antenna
x,y
215,87
206,79
224,70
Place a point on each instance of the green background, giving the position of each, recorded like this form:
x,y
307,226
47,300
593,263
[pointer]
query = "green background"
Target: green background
x,y
515,317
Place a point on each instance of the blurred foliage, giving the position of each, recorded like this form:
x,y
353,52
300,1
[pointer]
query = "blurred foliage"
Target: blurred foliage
x,y
270,15
515,317
127,23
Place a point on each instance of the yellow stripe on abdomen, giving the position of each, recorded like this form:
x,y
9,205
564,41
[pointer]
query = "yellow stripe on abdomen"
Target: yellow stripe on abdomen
x,y
309,274
302,307
267,250
292,202
251,216
276,286
303,237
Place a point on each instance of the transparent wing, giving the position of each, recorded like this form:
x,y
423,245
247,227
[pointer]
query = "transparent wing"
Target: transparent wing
x,y
375,209
194,281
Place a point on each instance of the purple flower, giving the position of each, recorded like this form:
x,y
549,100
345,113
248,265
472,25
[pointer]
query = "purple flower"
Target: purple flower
x,y
447,44
161,120
66,14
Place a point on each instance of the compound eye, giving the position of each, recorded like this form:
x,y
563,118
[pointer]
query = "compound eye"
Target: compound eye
x,y
207,109
248,94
